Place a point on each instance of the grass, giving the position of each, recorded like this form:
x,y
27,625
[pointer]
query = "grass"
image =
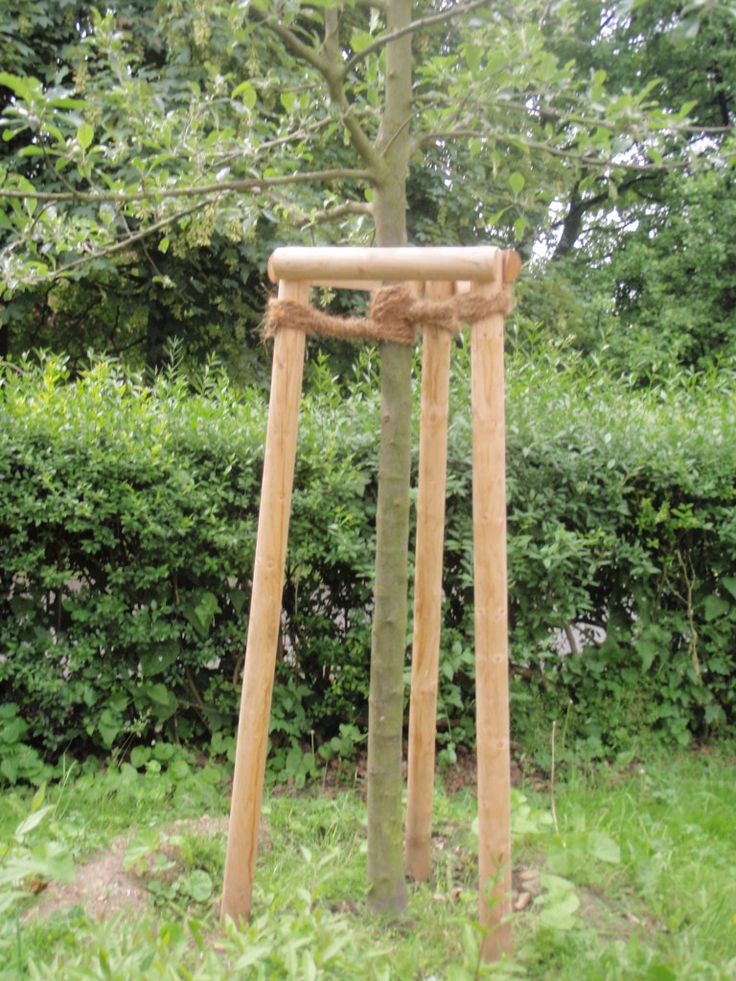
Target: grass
x,y
636,881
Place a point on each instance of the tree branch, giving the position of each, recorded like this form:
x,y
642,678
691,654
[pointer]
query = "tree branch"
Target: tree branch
x,y
227,187
574,117
304,51
579,158
333,73
416,25
331,214
130,240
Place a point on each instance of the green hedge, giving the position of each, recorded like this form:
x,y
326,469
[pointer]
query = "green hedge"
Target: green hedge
x,y
127,530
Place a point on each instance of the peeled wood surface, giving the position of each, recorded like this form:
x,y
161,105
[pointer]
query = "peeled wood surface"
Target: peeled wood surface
x,y
362,285
491,633
436,347
265,613
331,264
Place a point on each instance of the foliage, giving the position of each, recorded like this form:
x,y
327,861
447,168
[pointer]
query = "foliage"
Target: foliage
x,y
633,837
653,300
126,542
535,125
620,522
24,859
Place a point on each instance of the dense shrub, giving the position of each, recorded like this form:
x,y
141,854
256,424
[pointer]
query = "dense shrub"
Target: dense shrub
x,y
127,530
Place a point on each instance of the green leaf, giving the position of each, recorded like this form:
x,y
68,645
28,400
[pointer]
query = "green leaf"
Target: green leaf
x,y
198,885
139,756
179,769
252,956
109,725
68,103
360,40
159,694
13,731
516,182
201,612
520,226
147,842
715,607
164,701
559,903
526,820
246,93
287,100
158,660
238,599
21,87
33,821
9,768
85,135
604,848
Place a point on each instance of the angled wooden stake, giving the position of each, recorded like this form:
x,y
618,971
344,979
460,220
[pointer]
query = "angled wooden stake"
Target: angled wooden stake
x,y
265,612
491,632
436,346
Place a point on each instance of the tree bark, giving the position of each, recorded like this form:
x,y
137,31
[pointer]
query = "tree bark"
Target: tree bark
x,y
387,888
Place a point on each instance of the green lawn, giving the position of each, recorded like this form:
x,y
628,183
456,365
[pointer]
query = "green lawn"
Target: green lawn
x,y
636,881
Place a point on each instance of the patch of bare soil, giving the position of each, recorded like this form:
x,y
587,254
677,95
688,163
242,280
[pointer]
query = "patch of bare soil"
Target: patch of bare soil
x,y
103,888
609,919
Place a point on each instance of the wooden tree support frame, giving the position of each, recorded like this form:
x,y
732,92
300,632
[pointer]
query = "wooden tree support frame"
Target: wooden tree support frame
x,y
444,271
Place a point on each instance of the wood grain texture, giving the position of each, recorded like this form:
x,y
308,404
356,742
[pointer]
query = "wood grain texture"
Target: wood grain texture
x,y
394,264
265,613
491,634
427,591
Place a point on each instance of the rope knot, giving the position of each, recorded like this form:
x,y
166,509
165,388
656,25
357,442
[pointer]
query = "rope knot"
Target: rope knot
x,y
392,313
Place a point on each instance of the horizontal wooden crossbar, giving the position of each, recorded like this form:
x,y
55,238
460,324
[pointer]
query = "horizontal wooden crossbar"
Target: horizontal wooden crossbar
x,y
336,265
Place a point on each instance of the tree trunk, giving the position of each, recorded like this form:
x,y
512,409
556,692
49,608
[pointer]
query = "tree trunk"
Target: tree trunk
x,y
387,889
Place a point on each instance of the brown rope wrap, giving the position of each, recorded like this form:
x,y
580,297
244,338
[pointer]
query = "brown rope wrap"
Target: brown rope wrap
x,y
396,315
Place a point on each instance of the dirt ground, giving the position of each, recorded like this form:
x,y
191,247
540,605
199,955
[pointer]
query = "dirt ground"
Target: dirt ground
x,y
103,888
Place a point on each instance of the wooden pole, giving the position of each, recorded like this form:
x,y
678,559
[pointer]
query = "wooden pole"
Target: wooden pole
x,y
436,346
491,633
265,612
397,263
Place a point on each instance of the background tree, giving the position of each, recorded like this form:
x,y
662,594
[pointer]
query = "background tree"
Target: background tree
x,y
502,148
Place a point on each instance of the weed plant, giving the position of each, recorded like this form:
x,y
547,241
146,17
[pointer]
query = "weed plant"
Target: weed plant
x,y
629,875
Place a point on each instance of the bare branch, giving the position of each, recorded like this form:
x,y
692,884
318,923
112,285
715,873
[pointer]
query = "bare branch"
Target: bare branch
x,y
224,187
416,25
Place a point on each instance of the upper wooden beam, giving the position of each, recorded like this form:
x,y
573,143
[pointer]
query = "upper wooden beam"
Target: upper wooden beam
x,y
350,267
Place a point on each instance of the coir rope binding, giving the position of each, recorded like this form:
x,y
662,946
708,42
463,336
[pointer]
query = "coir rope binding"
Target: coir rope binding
x,y
395,317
